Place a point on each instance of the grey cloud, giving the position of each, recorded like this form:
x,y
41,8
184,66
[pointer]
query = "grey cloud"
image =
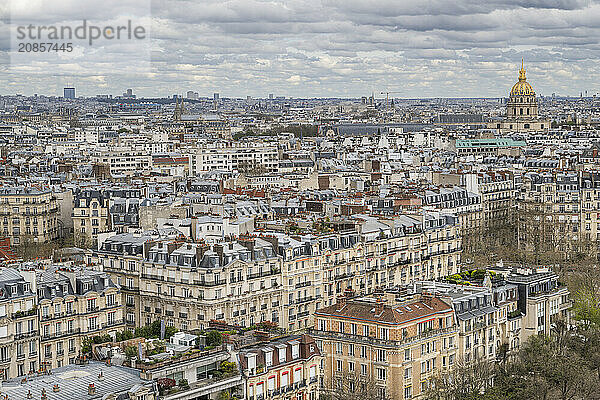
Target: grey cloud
x,y
333,47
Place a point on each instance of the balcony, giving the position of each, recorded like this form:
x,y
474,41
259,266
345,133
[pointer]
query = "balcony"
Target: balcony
x,y
60,334
379,342
112,323
23,314
154,277
302,300
210,284
25,335
303,284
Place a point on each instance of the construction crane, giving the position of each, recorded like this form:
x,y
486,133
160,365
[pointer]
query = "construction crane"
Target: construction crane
x,y
387,97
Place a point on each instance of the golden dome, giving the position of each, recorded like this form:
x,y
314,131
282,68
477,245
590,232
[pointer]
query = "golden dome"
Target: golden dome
x,y
522,88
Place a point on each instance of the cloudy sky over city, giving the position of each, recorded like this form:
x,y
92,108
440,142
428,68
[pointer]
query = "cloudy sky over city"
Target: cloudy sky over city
x,y
312,48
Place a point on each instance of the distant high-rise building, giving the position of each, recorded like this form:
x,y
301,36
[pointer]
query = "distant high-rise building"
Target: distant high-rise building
x,y
216,96
129,94
69,93
192,95
270,96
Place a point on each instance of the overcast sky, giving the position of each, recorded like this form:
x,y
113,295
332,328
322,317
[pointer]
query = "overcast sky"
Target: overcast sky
x,y
314,48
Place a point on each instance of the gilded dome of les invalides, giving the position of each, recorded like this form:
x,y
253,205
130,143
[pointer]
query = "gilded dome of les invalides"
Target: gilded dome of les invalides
x,y
522,88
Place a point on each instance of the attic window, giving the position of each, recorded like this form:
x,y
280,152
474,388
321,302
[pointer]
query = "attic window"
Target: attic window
x,y
282,355
268,357
295,350
251,361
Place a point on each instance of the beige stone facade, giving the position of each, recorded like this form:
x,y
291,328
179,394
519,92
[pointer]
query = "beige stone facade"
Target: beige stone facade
x,y
29,215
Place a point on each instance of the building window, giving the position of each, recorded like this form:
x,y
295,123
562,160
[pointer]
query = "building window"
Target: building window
x,y
92,323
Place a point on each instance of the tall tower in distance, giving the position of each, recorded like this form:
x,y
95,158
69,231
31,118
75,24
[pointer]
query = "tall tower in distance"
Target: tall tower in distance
x,y
69,93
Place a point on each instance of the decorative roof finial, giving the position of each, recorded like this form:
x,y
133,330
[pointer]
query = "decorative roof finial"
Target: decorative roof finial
x,y
522,72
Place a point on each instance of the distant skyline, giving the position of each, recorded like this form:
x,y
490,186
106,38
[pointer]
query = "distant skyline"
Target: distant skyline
x,y
304,48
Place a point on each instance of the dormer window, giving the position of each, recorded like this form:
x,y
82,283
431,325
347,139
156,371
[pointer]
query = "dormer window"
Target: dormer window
x,y
282,355
268,357
295,350
251,363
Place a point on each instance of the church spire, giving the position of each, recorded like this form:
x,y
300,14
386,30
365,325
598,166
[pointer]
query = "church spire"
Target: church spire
x,y
522,72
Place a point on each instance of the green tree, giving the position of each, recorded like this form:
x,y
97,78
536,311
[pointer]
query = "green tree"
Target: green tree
x,y
214,338
130,352
352,386
228,368
466,381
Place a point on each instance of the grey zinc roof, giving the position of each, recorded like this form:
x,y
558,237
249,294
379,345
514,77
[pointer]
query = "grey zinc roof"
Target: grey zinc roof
x,y
73,381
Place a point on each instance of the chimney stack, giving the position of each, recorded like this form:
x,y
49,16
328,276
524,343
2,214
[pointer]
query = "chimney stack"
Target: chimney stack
x,y
379,305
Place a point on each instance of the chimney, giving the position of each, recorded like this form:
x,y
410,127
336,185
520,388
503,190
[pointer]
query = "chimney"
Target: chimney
x,y
247,243
349,292
200,250
379,305
218,248
341,302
